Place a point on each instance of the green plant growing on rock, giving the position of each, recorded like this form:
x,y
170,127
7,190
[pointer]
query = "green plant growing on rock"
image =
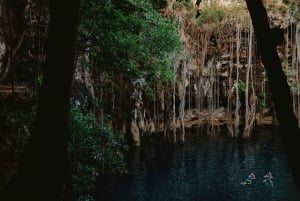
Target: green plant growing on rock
x,y
262,99
241,86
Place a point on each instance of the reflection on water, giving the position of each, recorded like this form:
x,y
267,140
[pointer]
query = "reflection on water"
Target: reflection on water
x,y
205,168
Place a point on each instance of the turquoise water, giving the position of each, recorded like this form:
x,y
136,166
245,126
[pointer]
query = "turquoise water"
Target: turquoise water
x,y
205,168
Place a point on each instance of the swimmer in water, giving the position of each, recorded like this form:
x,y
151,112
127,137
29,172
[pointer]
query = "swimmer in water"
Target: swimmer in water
x,y
249,179
268,178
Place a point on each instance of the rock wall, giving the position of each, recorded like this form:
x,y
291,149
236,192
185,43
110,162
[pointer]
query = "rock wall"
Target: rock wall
x,y
226,73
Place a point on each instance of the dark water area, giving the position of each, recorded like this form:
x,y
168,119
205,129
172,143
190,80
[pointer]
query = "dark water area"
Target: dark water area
x,y
205,168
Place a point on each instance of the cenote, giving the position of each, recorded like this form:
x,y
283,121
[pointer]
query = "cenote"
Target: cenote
x,y
205,168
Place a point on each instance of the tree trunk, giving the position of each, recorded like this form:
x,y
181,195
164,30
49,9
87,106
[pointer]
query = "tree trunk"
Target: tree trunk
x,y
280,90
44,168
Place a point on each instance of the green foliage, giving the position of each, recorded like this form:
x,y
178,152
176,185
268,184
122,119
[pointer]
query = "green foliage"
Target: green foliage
x,y
241,86
133,40
91,148
159,4
283,9
262,99
291,75
291,7
295,9
292,80
212,14
286,1
40,80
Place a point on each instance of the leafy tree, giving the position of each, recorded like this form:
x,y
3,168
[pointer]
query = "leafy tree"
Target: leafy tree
x,y
136,41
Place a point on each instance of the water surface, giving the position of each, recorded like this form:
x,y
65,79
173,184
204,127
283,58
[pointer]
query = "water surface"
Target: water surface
x,y
205,168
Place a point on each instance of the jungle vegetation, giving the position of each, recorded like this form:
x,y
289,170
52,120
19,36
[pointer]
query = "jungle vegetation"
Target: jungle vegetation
x,y
142,67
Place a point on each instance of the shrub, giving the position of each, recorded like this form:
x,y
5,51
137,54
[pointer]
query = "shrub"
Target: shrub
x,y
93,149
